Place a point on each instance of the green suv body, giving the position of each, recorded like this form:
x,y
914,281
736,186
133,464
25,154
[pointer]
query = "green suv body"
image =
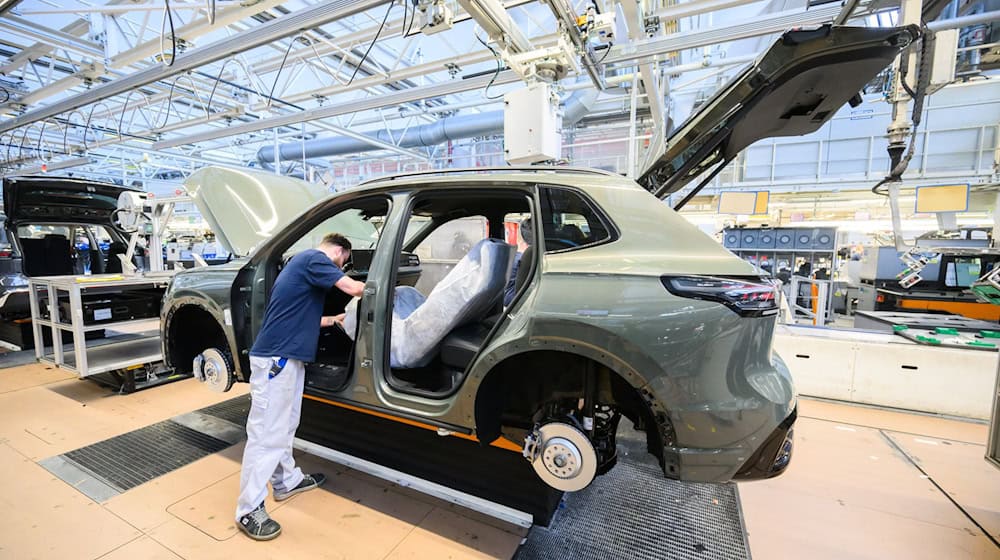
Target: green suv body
x,y
622,307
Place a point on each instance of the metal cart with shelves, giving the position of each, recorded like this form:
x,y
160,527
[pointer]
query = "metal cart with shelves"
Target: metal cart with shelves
x,y
133,362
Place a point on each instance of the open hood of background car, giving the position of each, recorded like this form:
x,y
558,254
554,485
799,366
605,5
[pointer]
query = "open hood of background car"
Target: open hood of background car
x,y
245,206
59,199
791,90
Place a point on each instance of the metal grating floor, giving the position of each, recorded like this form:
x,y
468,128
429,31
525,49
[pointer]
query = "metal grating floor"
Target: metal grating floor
x,y
110,467
634,513
234,410
139,456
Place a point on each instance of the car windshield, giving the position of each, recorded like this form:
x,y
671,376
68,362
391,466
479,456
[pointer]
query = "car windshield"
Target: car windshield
x,y
356,225
41,231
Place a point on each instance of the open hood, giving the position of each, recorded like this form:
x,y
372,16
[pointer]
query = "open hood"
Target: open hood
x,y
59,199
246,206
791,90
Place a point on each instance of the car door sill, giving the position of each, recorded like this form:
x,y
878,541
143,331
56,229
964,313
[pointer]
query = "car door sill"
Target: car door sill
x,y
395,415
475,503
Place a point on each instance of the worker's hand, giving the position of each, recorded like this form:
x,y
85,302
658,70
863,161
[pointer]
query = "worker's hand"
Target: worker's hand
x,y
331,320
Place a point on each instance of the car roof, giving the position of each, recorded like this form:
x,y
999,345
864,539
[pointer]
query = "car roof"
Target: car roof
x,y
493,170
498,176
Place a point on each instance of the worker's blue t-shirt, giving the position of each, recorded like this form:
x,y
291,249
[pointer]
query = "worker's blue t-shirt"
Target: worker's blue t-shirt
x,y
291,321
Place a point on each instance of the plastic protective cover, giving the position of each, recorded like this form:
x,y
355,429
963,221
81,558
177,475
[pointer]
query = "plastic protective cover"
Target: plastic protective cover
x,y
468,292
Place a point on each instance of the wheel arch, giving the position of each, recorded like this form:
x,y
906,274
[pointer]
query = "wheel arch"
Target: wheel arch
x,y
204,326
506,378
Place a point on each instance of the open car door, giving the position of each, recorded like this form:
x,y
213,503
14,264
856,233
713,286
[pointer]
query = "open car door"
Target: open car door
x,y
791,90
993,442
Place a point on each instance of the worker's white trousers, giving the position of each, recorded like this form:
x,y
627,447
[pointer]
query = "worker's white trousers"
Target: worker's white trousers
x,y
276,403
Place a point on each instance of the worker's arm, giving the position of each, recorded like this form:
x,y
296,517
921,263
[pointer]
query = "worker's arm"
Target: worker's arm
x,y
350,286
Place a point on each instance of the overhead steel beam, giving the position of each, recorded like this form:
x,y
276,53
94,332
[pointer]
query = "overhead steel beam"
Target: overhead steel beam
x,y
393,27
50,166
258,36
90,72
368,103
225,16
964,21
650,81
697,7
753,27
52,37
76,28
406,73
492,16
112,9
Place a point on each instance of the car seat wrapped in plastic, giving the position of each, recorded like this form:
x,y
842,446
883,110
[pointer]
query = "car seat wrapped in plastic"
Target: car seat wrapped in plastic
x,y
465,295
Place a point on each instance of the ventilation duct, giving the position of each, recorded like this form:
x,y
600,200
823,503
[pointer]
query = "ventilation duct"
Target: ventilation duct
x,y
575,108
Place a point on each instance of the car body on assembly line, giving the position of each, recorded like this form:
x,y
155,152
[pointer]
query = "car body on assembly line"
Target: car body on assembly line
x,y
55,226
621,307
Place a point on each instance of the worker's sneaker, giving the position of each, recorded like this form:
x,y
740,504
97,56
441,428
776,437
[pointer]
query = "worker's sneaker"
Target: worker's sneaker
x,y
258,525
309,482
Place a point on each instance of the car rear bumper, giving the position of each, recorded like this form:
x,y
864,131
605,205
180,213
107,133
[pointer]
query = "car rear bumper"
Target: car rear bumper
x,y
772,458
767,460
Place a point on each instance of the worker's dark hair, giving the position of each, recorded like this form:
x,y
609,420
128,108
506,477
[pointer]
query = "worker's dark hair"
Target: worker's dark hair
x,y
527,233
338,240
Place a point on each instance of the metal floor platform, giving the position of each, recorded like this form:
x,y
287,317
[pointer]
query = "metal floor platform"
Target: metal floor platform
x,y
630,513
107,468
634,513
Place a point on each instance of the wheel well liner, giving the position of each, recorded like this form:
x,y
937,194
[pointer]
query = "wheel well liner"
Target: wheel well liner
x,y
515,389
190,330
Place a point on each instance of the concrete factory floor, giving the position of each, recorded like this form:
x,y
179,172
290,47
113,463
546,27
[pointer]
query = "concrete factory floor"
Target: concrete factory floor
x,y
864,483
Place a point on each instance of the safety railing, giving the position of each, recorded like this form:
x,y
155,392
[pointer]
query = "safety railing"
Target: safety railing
x,y
809,301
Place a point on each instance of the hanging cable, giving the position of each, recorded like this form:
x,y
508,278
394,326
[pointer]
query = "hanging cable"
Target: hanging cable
x,y
496,56
370,45
168,16
270,96
170,99
923,80
413,17
607,51
406,11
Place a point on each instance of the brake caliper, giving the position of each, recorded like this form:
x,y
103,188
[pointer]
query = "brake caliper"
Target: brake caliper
x,y
532,444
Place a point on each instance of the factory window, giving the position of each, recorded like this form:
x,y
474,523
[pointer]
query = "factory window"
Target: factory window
x,y
570,221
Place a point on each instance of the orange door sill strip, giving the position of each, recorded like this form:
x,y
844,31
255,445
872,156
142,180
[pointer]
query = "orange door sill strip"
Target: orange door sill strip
x,y
499,442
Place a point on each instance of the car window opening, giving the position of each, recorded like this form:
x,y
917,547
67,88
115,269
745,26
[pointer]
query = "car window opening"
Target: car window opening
x,y
444,315
361,223
569,221
68,249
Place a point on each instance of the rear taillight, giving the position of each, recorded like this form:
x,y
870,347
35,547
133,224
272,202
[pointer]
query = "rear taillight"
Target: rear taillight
x,y
5,252
749,298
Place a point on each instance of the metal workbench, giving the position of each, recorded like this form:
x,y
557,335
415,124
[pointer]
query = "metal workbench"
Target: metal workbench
x,y
120,359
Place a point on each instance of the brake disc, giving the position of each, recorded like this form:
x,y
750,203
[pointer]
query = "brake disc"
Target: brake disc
x,y
216,370
563,457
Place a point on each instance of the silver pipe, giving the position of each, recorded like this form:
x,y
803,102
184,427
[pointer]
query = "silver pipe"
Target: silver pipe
x,y
964,21
575,108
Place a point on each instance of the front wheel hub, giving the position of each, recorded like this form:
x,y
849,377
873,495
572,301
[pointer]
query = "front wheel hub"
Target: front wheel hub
x,y
214,368
563,457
